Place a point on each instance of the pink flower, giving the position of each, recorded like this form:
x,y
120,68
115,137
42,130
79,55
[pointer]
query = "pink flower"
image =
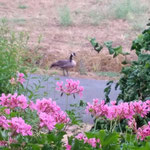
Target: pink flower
x,y
140,108
68,147
7,111
49,109
47,105
4,122
20,77
92,141
62,117
80,136
47,120
120,111
97,110
22,102
3,143
12,101
32,106
143,132
11,140
132,124
71,87
18,125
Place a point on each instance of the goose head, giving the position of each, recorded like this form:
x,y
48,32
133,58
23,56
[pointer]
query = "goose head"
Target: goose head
x,y
71,56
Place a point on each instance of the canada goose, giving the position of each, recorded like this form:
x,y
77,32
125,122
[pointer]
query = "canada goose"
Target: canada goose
x,y
65,64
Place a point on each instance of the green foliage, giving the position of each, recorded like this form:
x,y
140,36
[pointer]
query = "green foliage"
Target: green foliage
x,y
107,91
142,42
115,51
134,83
64,16
96,45
11,50
15,56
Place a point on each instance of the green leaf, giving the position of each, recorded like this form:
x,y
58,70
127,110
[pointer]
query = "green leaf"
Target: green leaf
x,y
93,41
35,147
90,135
96,45
117,51
112,138
59,126
51,137
102,134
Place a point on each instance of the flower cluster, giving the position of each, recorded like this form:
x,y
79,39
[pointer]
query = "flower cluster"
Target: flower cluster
x,y
6,143
71,87
143,132
51,108
49,113
12,101
4,122
20,79
18,125
123,111
120,111
47,120
92,141
132,124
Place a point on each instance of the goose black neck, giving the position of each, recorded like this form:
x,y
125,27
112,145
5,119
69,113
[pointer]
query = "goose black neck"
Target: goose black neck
x,y
70,59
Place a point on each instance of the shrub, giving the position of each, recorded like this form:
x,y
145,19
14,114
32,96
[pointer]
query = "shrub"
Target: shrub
x,y
135,79
11,60
134,84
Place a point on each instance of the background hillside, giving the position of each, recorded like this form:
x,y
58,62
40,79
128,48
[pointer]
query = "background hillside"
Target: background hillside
x,y
66,25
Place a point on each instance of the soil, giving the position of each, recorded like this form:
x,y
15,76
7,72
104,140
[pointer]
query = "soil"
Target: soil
x,y
58,42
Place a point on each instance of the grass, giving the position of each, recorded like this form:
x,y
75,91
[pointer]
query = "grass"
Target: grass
x,y
139,25
13,20
64,16
18,20
127,9
82,68
108,74
22,6
95,17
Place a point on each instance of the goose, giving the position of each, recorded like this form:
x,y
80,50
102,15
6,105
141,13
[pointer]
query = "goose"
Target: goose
x,y
65,64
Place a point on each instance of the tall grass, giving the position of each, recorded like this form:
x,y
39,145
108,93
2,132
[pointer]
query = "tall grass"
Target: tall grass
x,y
64,16
127,9
95,17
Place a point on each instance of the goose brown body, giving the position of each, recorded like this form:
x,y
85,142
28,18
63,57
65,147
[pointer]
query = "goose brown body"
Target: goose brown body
x,y
65,64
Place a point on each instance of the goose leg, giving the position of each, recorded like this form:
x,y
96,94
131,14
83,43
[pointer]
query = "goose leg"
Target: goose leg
x,y
67,72
63,72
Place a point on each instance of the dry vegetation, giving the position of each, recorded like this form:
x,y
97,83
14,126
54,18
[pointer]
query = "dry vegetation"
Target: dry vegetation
x,y
66,25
